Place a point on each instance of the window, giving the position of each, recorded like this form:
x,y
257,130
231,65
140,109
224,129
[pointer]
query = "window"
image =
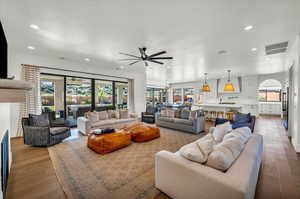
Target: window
x,y
269,95
177,95
52,94
156,96
79,96
188,94
121,95
103,93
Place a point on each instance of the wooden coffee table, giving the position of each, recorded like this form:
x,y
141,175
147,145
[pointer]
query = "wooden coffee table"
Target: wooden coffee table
x,y
110,142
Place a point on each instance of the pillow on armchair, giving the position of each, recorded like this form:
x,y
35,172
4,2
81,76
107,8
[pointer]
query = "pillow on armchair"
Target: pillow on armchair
x,y
39,120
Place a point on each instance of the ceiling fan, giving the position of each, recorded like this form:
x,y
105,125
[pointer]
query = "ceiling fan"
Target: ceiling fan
x,y
144,57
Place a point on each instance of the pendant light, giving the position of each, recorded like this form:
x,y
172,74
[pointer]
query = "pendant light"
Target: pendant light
x,y
229,86
205,87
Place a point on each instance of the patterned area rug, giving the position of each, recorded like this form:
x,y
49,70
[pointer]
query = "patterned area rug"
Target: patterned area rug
x,y
124,174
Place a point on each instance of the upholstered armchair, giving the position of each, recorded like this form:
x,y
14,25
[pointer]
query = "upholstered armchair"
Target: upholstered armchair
x,y
149,115
43,134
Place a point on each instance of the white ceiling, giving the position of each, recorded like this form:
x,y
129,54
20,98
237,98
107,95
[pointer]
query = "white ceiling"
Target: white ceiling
x,y
191,31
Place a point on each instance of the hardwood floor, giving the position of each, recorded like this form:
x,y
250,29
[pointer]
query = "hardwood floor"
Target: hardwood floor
x,y
32,174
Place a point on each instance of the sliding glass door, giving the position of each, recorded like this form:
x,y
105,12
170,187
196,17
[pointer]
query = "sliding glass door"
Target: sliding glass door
x,y
121,95
78,97
103,94
52,94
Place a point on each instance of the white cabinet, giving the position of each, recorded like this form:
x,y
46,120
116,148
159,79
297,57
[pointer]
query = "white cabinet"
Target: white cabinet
x,y
250,108
270,108
234,81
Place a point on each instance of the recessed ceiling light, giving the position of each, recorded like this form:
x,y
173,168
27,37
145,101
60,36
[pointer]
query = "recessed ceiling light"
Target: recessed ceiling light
x,y
34,26
87,59
253,49
31,47
247,28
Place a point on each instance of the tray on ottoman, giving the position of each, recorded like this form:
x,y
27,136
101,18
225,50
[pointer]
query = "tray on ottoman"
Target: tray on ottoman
x,y
107,143
140,132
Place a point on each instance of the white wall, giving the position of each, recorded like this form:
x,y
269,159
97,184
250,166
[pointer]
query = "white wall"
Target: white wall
x,y
294,106
16,59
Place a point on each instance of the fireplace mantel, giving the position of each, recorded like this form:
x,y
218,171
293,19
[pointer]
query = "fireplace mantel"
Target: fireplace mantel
x,y
13,91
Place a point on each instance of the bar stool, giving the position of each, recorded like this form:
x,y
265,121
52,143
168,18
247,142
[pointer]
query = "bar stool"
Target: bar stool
x,y
206,116
213,115
220,114
229,115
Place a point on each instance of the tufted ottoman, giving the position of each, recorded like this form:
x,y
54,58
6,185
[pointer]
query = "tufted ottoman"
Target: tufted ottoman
x,y
141,132
109,142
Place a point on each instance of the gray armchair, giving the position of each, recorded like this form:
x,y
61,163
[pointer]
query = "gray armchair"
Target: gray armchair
x,y
43,135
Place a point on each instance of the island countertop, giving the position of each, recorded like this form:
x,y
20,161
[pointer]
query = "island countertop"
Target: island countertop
x,y
220,105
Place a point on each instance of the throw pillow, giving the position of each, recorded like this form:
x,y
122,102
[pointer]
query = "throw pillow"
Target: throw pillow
x,y
103,115
164,113
92,116
123,114
221,130
170,113
193,115
39,120
198,151
220,121
117,114
241,117
111,114
177,113
236,125
185,114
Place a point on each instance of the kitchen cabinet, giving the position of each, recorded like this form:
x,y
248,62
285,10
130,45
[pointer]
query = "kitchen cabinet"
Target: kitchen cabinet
x,y
270,108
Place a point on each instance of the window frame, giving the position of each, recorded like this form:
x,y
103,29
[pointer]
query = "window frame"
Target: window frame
x,y
266,91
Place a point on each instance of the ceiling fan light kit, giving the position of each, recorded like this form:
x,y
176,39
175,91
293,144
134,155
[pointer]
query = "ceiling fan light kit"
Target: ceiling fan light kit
x,y
205,87
229,86
145,58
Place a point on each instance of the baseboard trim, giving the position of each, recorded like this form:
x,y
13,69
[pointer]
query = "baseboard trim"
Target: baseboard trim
x,y
296,146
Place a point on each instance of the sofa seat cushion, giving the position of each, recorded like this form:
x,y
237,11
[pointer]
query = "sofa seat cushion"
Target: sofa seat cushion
x,y
183,121
58,130
166,119
112,121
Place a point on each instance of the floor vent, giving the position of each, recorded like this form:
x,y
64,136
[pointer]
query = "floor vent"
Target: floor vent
x,y
276,48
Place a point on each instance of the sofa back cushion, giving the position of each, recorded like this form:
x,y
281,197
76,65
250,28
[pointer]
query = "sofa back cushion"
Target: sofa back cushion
x,y
39,120
241,117
123,114
243,133
199,150
103,115
164,113
177,113
225,153
221,130
111,114
171,113
92,116
185,114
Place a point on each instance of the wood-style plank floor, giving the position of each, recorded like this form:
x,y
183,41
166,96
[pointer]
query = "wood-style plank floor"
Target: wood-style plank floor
x,y
32,175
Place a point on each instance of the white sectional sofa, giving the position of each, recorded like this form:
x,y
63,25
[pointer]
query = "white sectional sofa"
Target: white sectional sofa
x,y
181,178
85,125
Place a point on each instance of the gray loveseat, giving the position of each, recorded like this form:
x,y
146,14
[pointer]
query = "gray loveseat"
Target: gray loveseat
x,y
192,125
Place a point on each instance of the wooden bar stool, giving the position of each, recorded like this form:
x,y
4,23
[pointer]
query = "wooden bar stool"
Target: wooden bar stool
x,y
206,116
229,115
213,115
220,114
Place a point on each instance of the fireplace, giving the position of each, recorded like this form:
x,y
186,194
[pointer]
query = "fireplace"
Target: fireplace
x,y
4,162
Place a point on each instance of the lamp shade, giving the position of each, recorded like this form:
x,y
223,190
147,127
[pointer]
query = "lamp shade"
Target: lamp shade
x,y
205,88
229,87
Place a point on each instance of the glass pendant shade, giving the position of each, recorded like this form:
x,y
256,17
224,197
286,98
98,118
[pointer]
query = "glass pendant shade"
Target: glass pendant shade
x,y
205,87
229,86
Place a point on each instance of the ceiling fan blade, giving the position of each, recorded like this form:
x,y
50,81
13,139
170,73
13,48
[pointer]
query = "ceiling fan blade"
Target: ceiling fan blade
x,y
129,55
161,58
130,59
157,62
134,62
156,54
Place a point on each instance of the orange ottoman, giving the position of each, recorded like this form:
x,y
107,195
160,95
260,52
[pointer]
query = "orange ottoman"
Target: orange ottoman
x,y
143,133
109,142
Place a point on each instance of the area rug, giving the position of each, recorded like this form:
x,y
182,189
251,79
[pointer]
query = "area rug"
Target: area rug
x,y
124,174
